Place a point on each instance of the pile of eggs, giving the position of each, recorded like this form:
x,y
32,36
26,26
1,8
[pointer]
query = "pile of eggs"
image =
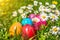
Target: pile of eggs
x,y
28,26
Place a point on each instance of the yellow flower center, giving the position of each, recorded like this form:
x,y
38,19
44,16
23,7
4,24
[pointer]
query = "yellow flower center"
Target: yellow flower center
x,y
43,17
55,29
53,16
54,2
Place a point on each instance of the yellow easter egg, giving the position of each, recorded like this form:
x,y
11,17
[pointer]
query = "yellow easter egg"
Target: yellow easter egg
x,y
16,28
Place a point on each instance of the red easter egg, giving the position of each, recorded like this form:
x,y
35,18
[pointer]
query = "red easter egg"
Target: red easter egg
x,y
28,31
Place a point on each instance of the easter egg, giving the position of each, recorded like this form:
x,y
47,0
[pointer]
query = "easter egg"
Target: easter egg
x,y
26,21
31,16
28,31
38,22
38,16
35,20
16,28
37,26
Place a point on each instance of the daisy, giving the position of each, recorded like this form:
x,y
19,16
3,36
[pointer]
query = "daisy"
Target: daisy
x,y
30,7
20,10
27,11
53,17
35,19
47,10
52,6
44,16
57,12
35,3
23,7
40,3
36,12
41,8
14,14
54,30
46,3
23,15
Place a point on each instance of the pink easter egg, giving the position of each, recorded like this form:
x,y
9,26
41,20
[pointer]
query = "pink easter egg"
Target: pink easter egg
x,y
37,26
43,23
31,16
38,16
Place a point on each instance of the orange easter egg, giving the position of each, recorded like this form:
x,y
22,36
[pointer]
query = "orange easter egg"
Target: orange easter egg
x,y
16,28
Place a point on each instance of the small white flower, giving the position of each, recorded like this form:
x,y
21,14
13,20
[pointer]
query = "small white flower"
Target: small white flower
x,y
47,3
23,15
41,8
36,12
23,7
53,10
57,12
20,10
54,30
44,16
47,10
35,3
40,3
53,17
27,11
14,14
52,6
35,19
30,7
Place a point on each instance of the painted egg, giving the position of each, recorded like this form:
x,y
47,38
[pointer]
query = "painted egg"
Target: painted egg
x,y
27,21
39,24
35,20
31,16
38,16
16,28
28,31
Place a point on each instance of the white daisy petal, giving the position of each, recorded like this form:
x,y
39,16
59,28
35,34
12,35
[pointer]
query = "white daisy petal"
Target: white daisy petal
x,y
52,6
44,16
40,3
47,3
54,30
14,14
53,17
35,3
20,10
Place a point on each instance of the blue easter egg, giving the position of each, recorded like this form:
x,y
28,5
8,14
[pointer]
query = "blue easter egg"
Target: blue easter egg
x,y
26,21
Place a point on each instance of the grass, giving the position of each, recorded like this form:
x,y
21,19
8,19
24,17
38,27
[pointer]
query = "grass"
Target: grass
x,y
6,19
